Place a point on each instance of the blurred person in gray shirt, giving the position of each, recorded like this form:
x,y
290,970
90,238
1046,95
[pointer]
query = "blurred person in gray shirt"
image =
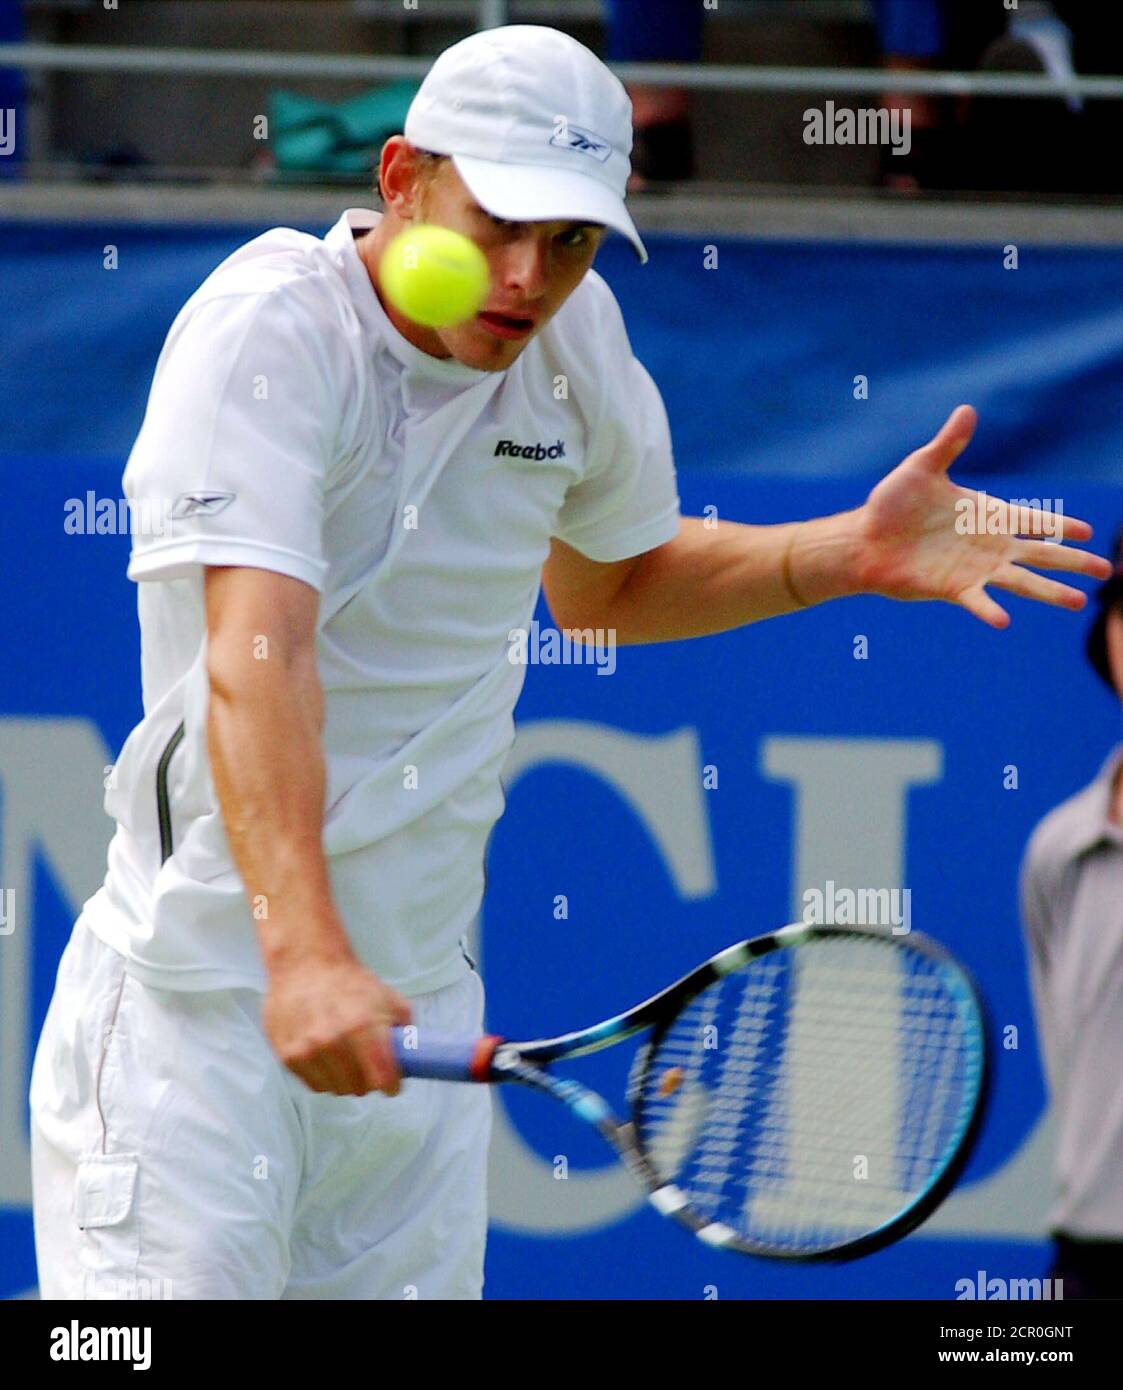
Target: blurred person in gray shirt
x,y
1072,910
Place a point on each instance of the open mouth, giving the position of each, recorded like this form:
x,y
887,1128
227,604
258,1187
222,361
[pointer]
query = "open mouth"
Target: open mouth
x,y
506,325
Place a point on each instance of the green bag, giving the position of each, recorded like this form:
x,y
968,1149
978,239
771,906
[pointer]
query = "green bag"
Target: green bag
x,y
312,136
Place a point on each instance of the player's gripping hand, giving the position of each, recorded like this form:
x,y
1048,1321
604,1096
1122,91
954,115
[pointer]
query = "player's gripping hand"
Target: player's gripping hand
x,y
327,1019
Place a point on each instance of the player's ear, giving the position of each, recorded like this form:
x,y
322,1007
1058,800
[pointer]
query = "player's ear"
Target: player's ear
x,y
399,179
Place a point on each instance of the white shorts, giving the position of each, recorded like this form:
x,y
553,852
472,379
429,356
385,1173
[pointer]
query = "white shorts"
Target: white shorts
x,y
174,1156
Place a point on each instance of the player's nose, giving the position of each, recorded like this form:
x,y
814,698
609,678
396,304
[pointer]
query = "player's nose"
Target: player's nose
x,y
526,269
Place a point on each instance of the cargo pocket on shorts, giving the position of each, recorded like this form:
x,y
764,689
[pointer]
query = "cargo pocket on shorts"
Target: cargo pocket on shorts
x,y
106,1212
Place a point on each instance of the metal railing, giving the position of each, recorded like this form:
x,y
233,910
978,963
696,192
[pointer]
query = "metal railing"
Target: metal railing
x,y
488,13
708,76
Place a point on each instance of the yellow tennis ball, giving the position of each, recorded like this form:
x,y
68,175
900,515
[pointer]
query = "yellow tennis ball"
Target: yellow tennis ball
x,y
434,276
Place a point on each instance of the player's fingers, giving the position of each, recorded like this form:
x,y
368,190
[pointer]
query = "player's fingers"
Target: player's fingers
x,y
347,1073
1073,529
1012,519
979,602
379,1065
1022,520
327,1067
364,1059
1044,555
398,1008
941,452
1029,585
312,1071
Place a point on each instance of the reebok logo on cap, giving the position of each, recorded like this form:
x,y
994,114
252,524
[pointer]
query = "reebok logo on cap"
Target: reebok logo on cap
x,y
512,106
572,137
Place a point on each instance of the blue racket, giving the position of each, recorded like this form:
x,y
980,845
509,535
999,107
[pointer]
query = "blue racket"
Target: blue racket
x,y
810,1094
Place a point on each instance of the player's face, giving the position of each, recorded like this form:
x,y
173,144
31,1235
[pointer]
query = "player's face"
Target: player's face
x,y
535,267
1114,636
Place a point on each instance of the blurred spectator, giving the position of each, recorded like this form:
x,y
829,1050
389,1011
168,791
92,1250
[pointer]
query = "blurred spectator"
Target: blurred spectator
x,y
1023,145
657,31
1072,910
1052,146
1004,143
912,36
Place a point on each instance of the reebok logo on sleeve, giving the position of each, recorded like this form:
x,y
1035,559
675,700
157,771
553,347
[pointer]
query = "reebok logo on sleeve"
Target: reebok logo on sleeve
x,y
201,503
509,449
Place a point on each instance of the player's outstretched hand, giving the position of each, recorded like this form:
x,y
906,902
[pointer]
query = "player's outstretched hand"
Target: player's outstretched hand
x,y
328,1021
922,537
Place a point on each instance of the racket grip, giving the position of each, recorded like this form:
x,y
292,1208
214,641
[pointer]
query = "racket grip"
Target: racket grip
x,y
444,1056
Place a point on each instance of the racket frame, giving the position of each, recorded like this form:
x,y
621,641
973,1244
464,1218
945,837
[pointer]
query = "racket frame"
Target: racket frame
x,y
669,1199
499,1060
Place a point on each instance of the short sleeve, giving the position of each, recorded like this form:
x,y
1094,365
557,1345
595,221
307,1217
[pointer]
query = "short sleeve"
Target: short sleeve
x,y
628,501
1035,926
231,462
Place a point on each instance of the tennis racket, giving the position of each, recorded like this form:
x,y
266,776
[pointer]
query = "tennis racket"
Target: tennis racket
x,y
810,1094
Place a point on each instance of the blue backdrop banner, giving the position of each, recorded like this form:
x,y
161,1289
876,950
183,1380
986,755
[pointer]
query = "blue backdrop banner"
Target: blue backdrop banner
x,y
690,798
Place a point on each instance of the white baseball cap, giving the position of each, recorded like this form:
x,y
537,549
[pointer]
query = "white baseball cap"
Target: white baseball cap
x,y
537,127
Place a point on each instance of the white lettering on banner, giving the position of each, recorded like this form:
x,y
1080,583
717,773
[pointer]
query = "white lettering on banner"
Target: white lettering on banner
x,y
660,779
849,820
850,810
850,805
43,763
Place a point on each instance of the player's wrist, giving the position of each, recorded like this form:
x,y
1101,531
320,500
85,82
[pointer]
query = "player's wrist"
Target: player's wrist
x,y
295,944
822,560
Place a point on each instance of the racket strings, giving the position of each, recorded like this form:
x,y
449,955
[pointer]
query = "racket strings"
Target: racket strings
x,y
813,1095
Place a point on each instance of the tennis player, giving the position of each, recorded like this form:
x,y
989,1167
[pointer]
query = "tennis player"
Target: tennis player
x,y
360,512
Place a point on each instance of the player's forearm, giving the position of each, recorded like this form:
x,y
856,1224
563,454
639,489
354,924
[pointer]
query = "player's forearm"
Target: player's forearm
x,y
264,736
710,580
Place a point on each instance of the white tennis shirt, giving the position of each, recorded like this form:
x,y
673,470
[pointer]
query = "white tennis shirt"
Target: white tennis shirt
x,y
290,427
1072,913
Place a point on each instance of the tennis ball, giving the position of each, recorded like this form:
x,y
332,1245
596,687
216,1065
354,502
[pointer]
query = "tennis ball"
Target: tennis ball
x,y
434,276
